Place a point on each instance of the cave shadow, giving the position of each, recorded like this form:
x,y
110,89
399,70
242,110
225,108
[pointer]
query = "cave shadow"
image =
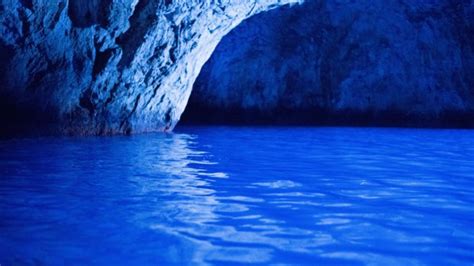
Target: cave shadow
x,y
285,37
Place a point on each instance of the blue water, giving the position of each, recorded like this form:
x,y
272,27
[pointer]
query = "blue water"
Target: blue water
x,y
219,195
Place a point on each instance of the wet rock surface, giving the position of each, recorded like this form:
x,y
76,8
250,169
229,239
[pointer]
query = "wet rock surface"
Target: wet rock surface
x,y
394,63
106,67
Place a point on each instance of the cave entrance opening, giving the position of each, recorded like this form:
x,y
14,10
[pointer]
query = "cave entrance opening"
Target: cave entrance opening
x,y
323,63
237,85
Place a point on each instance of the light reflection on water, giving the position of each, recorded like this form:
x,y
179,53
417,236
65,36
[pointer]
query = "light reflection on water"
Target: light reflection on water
x,y
241,195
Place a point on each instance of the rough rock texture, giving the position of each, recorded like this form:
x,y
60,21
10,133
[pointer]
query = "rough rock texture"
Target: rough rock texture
x,y
382,62
108,66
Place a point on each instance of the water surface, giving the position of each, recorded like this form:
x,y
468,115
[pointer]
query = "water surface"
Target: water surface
x,y
214,195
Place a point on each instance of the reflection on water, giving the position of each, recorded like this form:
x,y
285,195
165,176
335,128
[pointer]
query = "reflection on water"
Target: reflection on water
x,y
242,195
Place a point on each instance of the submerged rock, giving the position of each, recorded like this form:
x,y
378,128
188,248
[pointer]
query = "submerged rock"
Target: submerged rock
x,y
396,62
104,67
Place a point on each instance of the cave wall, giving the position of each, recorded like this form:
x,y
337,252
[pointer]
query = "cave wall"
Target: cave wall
x,y
107,66
380,62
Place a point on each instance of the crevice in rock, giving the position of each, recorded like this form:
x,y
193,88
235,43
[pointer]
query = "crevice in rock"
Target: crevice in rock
x,y
143,16
168,116
168,119
101,60
87,13
27,3
111,96
6,55
25,24
125,125
57,15
87,101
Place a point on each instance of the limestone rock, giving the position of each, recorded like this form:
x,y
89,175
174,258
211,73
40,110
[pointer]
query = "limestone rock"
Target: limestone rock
x,y
108,66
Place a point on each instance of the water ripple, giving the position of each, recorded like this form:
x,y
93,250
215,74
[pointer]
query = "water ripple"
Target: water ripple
x,y
281,196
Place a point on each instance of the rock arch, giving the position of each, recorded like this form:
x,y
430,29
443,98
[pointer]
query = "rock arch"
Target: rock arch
x,y
107,67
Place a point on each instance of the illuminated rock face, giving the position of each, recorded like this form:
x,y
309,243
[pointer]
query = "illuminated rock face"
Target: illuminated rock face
x,y
105,67
342,62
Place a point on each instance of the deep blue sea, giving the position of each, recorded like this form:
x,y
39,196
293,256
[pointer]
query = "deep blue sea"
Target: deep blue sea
x,y
239,195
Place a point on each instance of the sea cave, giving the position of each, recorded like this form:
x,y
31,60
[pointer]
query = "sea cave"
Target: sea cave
x,y
217,132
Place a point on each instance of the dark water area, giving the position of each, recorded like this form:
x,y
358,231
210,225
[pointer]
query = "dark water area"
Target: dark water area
x,y
215,195
197,114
